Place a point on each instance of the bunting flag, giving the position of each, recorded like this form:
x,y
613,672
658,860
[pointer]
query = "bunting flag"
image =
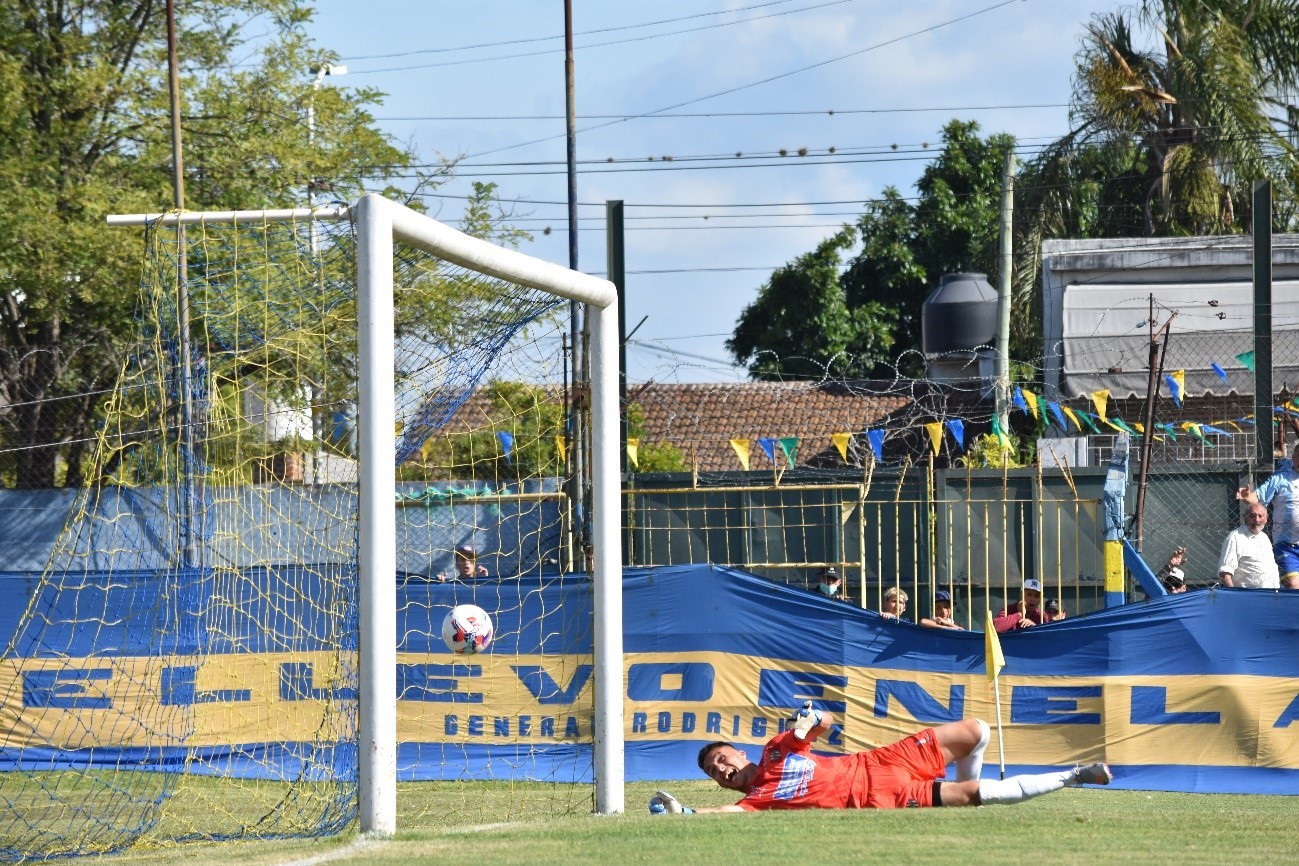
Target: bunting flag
x,y
633,452
1247,358
1176,385
1169,429
561,445
1222,374
1195,431
1031,399
789,444
957,428
1041,409
1002,438
741,447
1090,420
935,430
1018,400
1120,424
506,438
1140,428
1099,398
768,446
1059,416
841,441
1209,428
1072,417
876,439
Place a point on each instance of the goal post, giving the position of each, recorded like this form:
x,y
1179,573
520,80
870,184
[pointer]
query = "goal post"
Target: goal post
x,y
379,222
380,225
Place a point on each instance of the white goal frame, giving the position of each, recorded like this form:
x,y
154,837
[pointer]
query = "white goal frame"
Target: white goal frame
x,y
379,223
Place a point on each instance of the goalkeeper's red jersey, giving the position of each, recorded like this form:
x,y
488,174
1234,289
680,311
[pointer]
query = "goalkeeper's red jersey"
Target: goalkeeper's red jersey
x,y
790,776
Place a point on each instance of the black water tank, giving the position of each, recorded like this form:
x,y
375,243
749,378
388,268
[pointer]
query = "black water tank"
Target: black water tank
x,y
961,314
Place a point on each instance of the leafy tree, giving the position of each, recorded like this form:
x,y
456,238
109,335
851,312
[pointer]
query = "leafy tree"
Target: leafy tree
x,y
85,132
1193,100
801,326
529,413
810,320
652,456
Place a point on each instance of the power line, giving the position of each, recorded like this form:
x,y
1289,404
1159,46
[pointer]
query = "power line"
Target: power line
x,y
587,47
767,80
829,112
596,32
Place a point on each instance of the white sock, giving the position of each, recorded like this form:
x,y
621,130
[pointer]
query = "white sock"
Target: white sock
x,y
971,766
1016,789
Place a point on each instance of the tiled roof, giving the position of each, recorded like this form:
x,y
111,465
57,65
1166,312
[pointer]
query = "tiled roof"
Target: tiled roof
x,y
701,420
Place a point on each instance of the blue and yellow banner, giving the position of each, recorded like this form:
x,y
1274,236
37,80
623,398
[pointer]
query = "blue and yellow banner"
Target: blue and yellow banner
x,y
1196,692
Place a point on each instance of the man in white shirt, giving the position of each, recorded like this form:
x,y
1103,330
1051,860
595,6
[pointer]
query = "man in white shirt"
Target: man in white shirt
x,y
1247,559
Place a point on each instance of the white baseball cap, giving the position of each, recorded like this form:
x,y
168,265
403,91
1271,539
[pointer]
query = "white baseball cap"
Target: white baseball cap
x,y
1033,583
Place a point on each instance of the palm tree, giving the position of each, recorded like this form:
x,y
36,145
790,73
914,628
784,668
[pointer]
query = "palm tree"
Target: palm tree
x,y
1200,95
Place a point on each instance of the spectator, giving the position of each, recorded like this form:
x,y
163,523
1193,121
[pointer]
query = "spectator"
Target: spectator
x,y
467,567
942,617
1174,581
1028,611
1247,559
1172,576
895,603
1281,489
830,583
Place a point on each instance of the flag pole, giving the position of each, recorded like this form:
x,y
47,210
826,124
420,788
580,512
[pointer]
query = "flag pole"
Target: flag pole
x,y
994,661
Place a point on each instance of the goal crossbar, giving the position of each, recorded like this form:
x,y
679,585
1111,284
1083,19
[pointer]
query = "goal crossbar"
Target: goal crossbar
x,y
379,223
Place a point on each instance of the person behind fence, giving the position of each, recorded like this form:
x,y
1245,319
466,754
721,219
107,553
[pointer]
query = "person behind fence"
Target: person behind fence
x,y
1247,559
467,567
829,583
942,617
895,603
906,774
1028,611
1281,491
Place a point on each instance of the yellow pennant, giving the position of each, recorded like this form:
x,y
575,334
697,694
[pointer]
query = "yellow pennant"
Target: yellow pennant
x,y
935,430
1072,417
1031,399
561,445
840,441
633,449
994,659
741,447
1099,399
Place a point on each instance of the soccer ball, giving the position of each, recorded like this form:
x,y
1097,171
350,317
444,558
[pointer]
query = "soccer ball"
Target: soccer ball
x,y
467,629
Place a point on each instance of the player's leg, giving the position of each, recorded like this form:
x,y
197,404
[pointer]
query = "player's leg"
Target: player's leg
x,y
961,740
1016,789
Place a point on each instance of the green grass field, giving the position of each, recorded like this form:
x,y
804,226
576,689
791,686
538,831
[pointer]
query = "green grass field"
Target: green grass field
x,y
464,824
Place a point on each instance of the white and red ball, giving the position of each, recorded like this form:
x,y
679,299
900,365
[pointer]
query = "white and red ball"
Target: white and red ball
x,y
467,629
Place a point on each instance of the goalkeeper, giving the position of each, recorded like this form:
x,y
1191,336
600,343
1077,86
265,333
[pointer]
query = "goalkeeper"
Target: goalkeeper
x,y
906,774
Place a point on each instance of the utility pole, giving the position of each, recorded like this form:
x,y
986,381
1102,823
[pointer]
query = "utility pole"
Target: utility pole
x,y
577,425
182,300
1004,275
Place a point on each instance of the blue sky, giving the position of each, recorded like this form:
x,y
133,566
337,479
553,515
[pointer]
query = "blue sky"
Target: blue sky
x,y
677,79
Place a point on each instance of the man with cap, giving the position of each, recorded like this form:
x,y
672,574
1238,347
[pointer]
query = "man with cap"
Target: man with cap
x,y
467,567
1027,612
942,617
830,584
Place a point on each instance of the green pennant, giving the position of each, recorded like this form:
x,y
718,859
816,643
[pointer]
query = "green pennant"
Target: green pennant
x,y
789,444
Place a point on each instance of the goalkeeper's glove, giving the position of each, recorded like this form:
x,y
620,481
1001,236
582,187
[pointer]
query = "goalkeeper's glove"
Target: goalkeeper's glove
x,y
663,803
805,719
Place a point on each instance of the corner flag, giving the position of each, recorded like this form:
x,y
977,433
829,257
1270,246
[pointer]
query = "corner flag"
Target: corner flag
x,y
992,649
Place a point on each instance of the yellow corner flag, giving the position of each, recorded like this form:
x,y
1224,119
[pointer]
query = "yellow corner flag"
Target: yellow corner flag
x,y
992,649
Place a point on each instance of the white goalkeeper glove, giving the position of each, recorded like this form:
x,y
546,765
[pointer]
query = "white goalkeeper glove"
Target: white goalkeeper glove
x,y
805,719
663,803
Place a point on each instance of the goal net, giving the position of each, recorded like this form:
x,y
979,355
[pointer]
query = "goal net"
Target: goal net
x,y
238,634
